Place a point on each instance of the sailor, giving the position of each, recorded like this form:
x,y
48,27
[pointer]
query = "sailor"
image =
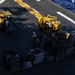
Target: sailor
x,y
8,20
45,42
34,39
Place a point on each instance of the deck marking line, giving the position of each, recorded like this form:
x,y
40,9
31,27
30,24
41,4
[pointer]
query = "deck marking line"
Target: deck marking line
x,y
66,17
29,8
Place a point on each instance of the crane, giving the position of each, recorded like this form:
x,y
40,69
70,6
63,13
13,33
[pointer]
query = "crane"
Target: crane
x,y
47,23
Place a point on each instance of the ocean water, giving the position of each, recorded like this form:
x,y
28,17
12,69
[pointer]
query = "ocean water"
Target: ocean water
x,y
68,4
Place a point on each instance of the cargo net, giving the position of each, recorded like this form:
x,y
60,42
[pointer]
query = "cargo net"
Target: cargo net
x,y
55,45
38,54
15,64
26,62
47,48
62,46
12,61
34,57
69,51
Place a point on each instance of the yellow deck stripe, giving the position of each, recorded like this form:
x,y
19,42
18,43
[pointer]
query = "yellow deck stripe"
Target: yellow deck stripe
x,y
30,9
